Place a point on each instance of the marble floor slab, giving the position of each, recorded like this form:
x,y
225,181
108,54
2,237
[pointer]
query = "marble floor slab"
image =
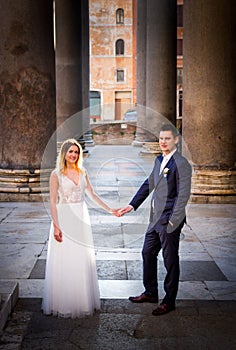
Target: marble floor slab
x,y
132,270
122,289
17,260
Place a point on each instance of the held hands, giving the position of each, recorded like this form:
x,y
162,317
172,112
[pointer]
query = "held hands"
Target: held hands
x,y
121,211
115,212
125,210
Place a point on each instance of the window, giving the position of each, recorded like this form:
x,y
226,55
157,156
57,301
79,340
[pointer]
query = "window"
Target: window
x,y
179,47
119,16
179,15
95,104
120,47
120,75
180,106
179,75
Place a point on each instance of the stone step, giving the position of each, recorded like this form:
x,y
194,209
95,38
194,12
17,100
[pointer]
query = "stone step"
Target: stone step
x,y
9,291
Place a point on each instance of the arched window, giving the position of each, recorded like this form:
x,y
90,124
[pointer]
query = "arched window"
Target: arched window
x,y
119,16
120,47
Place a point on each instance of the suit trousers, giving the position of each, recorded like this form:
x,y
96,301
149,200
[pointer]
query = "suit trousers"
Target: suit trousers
x,y
156,240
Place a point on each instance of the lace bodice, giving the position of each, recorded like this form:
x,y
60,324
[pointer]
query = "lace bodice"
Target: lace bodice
x,y
69,192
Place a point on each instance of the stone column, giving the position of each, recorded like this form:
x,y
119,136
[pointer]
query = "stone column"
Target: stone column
x,y
160,65
72,67
27,95
161,60
209,103
86,72
140,136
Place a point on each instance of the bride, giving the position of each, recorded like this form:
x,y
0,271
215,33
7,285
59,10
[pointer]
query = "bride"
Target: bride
x,y
71,283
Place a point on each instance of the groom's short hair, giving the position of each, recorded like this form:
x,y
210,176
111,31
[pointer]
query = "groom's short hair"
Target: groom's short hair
x,y
170,127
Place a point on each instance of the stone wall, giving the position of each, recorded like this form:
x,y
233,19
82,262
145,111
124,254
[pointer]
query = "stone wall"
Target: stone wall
x,y
114,133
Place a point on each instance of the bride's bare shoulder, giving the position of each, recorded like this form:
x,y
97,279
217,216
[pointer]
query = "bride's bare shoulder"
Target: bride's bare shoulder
x,y
54,174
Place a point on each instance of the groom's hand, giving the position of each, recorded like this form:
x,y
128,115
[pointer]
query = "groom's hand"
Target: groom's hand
x,y
125,210
116,212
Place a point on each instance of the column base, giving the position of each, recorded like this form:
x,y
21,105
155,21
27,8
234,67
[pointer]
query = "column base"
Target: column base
x,y
210,199
140,137
150,148
137,143
23,185
211,185
88,139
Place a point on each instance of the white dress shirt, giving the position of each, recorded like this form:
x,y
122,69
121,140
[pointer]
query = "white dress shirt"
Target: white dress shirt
x,y
166,160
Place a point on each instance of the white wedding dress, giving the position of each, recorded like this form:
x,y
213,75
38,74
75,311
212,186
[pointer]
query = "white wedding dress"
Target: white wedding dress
x,y
71,283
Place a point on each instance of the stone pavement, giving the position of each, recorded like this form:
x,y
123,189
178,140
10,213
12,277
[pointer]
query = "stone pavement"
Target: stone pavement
x,y
205,314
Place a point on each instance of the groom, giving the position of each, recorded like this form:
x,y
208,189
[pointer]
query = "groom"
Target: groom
x,y
170,182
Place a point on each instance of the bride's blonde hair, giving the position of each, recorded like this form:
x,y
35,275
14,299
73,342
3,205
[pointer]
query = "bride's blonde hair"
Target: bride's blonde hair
x,y
61,159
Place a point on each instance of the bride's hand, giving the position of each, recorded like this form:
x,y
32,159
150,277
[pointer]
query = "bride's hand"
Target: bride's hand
x,y
58,235
115,212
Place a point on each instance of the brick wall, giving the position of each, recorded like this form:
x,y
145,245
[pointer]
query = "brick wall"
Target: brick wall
x,y
114,133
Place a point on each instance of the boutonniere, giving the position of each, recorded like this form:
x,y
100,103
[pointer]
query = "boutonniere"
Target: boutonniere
x,y
165,172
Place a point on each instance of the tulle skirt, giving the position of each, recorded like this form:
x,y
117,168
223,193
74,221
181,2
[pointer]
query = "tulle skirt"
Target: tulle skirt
x,y
71,283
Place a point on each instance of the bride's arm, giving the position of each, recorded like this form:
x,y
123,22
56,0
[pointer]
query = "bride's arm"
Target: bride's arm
x,y
97,199
53,202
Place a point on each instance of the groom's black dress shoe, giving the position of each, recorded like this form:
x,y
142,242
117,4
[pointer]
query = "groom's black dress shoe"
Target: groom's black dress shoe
x,y
163,309
143,298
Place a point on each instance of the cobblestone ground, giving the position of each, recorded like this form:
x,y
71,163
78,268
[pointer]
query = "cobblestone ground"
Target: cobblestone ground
x,y
121,325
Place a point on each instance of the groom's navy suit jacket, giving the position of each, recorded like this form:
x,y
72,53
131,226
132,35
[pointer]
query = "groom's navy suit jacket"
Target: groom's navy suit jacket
x,y
171,192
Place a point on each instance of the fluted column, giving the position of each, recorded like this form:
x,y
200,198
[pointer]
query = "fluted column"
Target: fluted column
x,y
209,103
27,98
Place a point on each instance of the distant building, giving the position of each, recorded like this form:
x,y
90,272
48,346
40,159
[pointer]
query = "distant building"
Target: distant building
x,y
112,58
113,25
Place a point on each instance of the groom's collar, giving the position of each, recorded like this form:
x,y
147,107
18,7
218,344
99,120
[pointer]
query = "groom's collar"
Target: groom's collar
x,y
169,155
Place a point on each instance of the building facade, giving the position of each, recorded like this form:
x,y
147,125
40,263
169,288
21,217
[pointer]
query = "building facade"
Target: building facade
x,y
112,58
179,100
113,27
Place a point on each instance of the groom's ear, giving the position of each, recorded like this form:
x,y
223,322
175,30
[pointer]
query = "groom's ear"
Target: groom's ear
x,y
176,140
